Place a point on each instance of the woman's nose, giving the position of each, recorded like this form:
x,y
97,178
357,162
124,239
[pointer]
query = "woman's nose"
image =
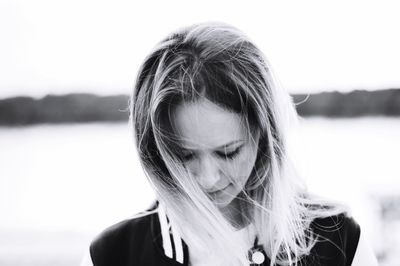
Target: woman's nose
x,y
208,174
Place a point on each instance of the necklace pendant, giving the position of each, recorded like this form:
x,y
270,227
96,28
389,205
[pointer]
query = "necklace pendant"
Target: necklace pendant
x,y
256,255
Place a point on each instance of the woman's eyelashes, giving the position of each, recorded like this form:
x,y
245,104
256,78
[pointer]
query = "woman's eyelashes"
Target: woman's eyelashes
x,y
187,156
228,155
221,154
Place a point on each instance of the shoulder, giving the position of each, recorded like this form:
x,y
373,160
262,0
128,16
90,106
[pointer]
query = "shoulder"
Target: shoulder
x,y
342,224
126,239
139,223
337,239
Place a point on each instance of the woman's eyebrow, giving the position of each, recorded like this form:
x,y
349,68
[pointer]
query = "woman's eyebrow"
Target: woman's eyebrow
x,y
229,144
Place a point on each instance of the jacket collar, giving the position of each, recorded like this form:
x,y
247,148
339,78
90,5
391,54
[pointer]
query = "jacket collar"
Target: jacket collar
x,y
170,244
168,240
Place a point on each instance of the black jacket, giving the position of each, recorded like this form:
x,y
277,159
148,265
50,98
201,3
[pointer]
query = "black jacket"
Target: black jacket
x,y
147,239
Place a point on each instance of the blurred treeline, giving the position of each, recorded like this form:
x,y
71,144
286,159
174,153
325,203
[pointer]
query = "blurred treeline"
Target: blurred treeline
x,y
353,104
72,108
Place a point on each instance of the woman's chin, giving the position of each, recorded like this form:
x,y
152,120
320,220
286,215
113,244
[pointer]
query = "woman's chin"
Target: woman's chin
x,y
222,204
225,198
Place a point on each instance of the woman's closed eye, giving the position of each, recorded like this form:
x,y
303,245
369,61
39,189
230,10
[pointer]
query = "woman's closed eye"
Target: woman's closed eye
x,y
222,154
229,155
187,156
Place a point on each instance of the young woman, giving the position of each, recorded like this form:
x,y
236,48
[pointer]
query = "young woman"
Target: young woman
x,y
210,126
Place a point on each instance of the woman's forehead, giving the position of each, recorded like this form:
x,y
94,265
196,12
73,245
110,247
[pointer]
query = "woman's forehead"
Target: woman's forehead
x,y
203,124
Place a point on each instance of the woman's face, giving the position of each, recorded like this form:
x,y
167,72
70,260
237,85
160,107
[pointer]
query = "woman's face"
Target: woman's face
x,y
216,149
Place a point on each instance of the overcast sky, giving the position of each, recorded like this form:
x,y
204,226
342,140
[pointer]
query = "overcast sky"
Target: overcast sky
x,y
53,46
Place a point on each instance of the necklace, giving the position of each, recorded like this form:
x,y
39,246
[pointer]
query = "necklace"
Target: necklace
x,y
256,254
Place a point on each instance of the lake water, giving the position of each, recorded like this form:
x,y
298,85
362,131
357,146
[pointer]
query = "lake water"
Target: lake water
x,y
62,184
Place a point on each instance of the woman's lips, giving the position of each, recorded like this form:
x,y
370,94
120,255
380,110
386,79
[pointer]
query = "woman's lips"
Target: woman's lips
x,y
218,191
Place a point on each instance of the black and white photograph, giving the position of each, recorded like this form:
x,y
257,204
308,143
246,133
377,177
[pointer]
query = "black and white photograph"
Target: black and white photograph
x,y
199,133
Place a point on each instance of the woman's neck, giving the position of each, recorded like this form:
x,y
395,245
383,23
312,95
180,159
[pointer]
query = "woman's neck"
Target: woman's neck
x,y
237,213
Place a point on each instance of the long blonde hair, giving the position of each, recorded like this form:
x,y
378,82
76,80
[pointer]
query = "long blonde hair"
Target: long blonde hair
x,y
219,62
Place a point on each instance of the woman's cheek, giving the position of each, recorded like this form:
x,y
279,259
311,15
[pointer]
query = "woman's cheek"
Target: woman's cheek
x,y
239,170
